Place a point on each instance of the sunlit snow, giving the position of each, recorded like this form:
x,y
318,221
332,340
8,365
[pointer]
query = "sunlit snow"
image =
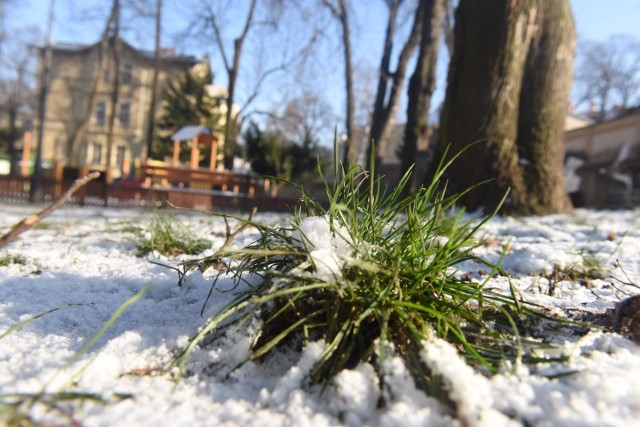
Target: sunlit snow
x,y
82,260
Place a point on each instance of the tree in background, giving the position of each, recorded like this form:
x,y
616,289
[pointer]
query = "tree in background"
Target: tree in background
x,y
260,39
340,11
608,74
113,43
16,96
390,81
289,147
301,121
269,154
108,47
508,88
421,87
232,67
157,59
187,101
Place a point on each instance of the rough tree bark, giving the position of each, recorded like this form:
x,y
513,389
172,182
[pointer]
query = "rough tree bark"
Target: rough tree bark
x,y
544,103
390,82
421,86
492,56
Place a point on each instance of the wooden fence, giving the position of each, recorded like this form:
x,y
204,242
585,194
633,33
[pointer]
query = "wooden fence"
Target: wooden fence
x,y
158,187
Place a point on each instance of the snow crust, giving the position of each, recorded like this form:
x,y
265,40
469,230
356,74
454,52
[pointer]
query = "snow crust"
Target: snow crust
x,y
82,261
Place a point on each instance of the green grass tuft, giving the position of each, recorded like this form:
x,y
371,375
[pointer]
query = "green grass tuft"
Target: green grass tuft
x,y
166,234
7,259
386,279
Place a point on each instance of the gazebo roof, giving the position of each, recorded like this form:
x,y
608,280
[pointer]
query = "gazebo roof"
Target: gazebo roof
x,y
187,133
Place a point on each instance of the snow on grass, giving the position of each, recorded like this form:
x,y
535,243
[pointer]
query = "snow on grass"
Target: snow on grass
x,y
82,260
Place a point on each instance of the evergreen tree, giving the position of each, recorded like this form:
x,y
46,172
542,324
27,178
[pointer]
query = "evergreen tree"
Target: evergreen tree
x,y
271,154
186,102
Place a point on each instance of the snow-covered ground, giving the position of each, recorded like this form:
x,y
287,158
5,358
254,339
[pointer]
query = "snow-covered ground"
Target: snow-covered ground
x,y
82,260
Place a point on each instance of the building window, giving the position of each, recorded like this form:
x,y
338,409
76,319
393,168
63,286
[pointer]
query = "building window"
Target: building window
x,y
127,74
101,113
125,114
120,156
97,153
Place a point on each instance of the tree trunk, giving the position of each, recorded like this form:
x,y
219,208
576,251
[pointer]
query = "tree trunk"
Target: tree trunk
x,y
481,102
386,105
544,103
154,82
385,68
504,44
77,132
116,46
421,86
14,167
387,97
352,146
231,122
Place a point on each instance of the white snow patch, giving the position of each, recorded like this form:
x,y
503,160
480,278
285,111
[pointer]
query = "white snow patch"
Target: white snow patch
x,y
82,257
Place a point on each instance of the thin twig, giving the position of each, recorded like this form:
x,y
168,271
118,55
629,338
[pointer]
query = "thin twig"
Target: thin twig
x,y
232,235
31,220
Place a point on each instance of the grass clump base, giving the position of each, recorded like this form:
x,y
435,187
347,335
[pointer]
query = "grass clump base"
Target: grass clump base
x,y
369,274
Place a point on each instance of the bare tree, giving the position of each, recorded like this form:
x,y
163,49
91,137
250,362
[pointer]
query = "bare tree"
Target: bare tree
x,y
4,5
421,87
15,96
390,81
110,45
36,193
17,74
608,73
154,80
340,11
262,29
231,61
113,42
300,117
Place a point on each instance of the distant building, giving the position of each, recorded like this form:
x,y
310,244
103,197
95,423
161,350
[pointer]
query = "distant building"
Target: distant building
x,y
76,122
602,162
576,121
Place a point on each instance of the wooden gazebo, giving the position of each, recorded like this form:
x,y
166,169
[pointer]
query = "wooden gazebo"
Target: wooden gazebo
x,y
197,135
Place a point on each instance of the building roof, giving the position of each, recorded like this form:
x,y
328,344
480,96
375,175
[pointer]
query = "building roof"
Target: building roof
x,y
187,133
166,54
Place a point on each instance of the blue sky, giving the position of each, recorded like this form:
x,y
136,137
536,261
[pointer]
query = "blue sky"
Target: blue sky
x,y
595,20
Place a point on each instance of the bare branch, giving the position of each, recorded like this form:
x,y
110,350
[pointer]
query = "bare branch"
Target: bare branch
x,y
31,220
257,86
218,36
